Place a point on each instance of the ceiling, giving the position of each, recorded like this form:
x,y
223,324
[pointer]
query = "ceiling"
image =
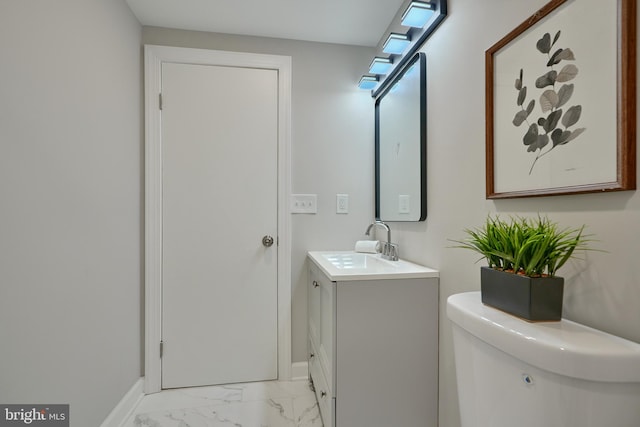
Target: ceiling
x,y
354,22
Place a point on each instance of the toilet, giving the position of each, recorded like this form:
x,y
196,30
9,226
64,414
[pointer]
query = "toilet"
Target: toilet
x,y
512,373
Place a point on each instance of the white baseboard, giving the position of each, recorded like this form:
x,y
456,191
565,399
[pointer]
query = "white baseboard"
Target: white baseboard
x,y
125,407
299,371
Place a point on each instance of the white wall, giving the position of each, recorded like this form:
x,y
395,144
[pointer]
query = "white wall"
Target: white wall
x,y
332,144
606,293
70,184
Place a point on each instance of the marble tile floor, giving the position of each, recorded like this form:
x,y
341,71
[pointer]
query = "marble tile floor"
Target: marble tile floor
x,y
260,404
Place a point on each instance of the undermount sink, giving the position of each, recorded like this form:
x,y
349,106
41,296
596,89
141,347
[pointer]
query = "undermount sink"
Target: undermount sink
x,y
350,265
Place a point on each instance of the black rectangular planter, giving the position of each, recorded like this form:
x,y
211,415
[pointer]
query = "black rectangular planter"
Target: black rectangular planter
x,y
531,298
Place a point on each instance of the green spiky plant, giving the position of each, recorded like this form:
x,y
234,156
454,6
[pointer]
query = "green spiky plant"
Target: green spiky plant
x,y
531,247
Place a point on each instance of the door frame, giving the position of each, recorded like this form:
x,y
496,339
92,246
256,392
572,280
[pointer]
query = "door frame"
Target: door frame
x,y
154,56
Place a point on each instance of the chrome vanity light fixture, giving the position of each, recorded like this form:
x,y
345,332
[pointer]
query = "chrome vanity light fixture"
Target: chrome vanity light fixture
x,y
418,14
368,82
380,65
396,43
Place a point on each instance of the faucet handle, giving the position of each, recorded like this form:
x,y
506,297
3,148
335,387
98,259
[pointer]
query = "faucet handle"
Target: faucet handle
x,y
393,252
390,251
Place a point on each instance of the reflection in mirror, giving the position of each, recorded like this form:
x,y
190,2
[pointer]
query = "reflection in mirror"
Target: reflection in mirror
x,y
401,145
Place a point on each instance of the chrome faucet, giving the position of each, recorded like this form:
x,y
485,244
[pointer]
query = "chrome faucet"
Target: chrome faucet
x,y
381,224
389,250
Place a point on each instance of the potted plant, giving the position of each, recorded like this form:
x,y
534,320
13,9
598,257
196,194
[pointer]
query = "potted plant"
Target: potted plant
x,y
523,256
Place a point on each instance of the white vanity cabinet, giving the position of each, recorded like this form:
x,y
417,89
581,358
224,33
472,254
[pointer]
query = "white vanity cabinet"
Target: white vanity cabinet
x,y
373,346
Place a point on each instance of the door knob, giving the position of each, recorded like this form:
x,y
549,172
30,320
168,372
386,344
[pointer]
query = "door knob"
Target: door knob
x,y
267,241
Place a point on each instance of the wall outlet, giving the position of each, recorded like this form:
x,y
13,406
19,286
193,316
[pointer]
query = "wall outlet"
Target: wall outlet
x,y
342,203
304,203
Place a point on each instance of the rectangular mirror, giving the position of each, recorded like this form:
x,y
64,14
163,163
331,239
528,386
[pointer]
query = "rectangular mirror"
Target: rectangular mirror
x,y
401,145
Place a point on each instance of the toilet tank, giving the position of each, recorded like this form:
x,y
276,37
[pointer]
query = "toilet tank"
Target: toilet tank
x,y
512,373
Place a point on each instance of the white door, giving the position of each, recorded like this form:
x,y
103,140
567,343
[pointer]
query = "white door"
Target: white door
x,y
219,281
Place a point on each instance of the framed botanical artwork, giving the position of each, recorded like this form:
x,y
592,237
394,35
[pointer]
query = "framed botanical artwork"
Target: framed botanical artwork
x,y
561,102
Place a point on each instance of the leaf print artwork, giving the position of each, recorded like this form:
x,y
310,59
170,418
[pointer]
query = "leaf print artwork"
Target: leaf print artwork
x,y
552,128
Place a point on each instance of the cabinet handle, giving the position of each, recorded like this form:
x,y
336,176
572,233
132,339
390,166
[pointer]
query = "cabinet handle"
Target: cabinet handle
x,y
315,284
312,355
323,394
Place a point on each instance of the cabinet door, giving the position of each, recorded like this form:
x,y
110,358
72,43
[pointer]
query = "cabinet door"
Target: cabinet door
x,y
327,332
313,305
321,301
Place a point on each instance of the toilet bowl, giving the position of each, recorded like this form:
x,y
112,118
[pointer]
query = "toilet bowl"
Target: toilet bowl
x,y
511,373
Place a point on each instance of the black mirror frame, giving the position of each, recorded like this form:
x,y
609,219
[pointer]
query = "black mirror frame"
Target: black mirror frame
x,y
421,59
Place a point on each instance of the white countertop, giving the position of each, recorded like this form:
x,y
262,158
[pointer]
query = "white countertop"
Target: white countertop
x,y
350,265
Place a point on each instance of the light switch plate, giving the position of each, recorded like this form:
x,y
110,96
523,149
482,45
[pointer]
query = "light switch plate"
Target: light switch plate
x,y
404,204
304,203
342,203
